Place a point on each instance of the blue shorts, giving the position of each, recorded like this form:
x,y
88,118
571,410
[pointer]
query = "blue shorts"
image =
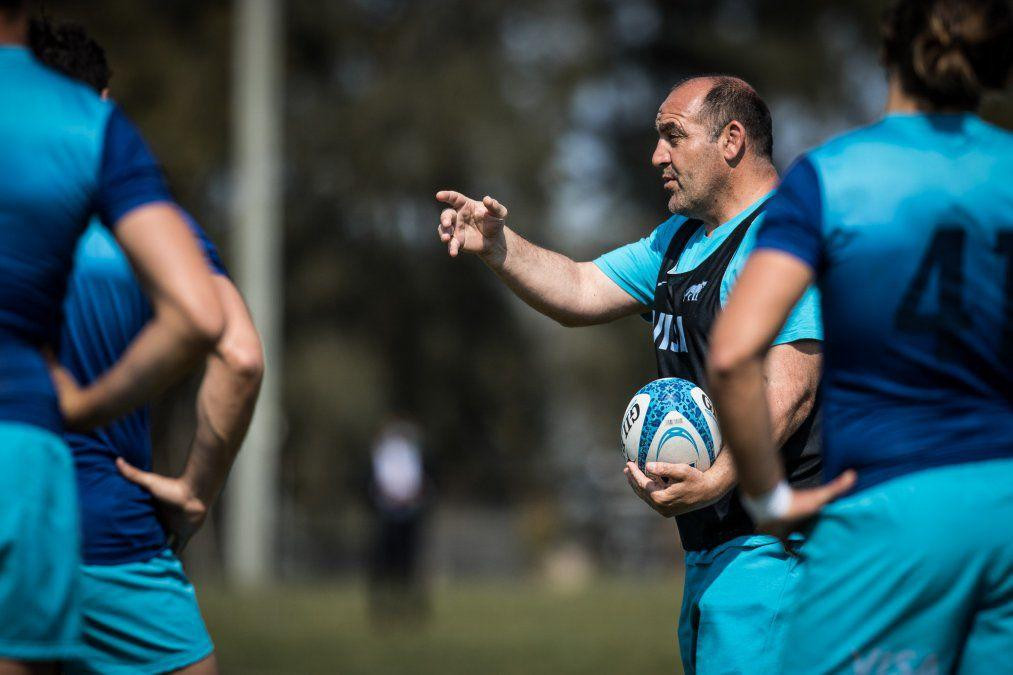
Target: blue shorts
x,y
731,618
140,617
39,546
912,575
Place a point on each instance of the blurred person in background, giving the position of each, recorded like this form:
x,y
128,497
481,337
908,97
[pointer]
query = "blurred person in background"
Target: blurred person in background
x,y
66,154
139,609
907,225
714,150
398,494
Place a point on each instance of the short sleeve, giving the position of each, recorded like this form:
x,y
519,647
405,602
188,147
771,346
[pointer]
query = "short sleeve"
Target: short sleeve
x,y
211,254
794,216
634,267
129,175
805,321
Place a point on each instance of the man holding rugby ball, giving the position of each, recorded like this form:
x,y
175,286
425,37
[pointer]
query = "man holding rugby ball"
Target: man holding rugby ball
x,y
714,154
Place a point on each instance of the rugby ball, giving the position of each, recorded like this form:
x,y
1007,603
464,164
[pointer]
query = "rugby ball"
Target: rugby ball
x,y
670,420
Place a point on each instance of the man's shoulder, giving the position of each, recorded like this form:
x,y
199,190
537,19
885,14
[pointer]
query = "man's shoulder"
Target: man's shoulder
x,y
662,235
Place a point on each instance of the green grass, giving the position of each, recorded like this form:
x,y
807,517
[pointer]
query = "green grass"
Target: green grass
x,y
607,627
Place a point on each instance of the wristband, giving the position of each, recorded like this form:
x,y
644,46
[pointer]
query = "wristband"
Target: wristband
x,y
772,505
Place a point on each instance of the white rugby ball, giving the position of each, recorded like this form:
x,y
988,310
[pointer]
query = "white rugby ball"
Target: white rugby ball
x,y
671,420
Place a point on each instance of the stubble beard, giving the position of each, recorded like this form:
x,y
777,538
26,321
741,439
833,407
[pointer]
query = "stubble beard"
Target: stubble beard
x,y
681,204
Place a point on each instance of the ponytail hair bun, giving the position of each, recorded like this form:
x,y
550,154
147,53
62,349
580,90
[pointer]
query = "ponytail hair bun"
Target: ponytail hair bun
x,y
949,52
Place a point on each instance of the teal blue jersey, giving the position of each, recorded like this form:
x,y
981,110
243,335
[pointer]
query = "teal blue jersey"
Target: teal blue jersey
x,y
908,225
65,155
634,268
104,310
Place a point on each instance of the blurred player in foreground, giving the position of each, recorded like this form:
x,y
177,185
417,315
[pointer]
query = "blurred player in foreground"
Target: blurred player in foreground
x,y
908,226
140,612
714,154
65,154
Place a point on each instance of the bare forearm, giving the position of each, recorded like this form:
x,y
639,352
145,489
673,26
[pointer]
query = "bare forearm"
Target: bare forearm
x,y
225,404
159,356
787,412
722,475
227,397
551,283
742,399
186,324
778,388
572,293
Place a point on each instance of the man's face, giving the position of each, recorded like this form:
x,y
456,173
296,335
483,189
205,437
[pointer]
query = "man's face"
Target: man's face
x,y
691,163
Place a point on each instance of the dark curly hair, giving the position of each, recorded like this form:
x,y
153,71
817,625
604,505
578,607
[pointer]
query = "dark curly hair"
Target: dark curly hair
x,y
947,53
67,48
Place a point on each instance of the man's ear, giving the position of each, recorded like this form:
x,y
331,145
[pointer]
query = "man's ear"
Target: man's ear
x,y
733,142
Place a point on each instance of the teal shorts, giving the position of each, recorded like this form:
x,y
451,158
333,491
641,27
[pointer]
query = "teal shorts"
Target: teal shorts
x,y
732,606
39,546
140,617
913,575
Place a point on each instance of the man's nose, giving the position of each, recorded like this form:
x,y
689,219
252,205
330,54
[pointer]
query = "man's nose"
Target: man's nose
x,y
661,158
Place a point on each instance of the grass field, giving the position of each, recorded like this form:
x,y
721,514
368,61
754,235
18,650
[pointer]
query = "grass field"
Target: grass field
x,y
607,627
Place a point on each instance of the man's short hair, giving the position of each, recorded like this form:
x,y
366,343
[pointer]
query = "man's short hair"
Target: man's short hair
x,y
67,48
730,98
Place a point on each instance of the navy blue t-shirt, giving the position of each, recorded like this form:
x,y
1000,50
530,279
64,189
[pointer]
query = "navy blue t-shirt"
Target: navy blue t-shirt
x,y
65,154
104,311
908,225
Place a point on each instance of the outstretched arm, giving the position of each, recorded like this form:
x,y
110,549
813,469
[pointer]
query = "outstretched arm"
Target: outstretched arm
x,y
225,403
572,293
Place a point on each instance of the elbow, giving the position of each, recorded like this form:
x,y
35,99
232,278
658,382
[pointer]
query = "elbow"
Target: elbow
x,y
577,319
208,328
570,321
805,403
244,357
724,363
201,328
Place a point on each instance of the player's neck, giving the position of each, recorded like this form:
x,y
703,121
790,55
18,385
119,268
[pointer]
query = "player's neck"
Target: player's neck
x,y
739,196
899,101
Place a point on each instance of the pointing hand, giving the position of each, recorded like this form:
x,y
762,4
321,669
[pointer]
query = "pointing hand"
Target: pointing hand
x,y
471,226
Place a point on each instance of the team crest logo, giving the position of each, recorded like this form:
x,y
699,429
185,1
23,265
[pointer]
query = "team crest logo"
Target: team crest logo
x,y
692,293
